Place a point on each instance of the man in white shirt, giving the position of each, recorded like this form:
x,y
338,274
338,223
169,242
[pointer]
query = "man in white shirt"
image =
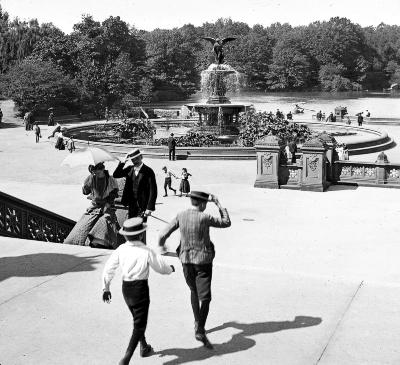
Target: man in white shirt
x,y
134,258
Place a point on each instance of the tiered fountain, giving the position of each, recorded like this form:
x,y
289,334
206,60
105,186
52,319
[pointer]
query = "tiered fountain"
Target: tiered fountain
x,y
218,114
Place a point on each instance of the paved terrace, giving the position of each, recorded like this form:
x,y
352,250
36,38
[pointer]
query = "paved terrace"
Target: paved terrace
x,y
300,277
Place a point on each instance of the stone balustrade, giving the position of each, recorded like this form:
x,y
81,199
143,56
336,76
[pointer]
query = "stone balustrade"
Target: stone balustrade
x,y
318,167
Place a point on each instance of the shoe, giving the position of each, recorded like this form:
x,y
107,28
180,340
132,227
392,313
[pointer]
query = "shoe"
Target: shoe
x,y
174,192
203,338
165,195
146,351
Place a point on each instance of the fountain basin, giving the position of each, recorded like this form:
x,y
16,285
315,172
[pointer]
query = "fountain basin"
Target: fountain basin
x,y
365,140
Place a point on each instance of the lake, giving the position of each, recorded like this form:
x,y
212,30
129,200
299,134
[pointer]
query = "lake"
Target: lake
x,y
380,105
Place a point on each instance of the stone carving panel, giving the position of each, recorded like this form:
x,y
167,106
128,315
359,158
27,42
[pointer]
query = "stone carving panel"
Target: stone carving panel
x,y
313,162
394,173
293,174
346,171
357,171
312,166
370,171
267,163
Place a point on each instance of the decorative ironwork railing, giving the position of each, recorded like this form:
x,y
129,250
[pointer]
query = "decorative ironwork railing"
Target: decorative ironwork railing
x,y
21,219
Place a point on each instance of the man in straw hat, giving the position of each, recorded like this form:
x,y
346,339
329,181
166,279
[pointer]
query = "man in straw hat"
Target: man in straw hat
x,y
196,252
140,191
134,259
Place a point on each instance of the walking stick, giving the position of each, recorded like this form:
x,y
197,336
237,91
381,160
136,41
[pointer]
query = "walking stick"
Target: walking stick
x,y
162,220
166,253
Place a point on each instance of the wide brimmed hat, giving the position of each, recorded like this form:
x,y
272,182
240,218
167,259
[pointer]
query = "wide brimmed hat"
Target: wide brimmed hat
x,y
133,227
199,195
133,154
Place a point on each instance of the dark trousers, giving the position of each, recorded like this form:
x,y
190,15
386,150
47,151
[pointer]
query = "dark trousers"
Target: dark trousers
x,y
198,278
171,153
137,298
167,184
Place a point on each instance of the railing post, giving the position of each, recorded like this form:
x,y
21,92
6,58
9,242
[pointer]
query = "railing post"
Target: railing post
x,y
381,163
314,166
269,154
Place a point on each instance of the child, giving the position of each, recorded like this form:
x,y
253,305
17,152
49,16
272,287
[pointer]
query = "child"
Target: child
x,y
184,188
71,145
134,259
168,180
37,132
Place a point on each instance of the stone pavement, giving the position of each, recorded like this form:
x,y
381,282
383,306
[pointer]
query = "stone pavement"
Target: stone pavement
x,y
300,277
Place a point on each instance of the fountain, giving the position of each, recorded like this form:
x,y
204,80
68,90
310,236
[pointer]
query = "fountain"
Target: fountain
x,y
216,133
218,114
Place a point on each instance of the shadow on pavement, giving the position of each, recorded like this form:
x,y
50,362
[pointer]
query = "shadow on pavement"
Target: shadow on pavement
x,y
4,125
44,264
342,187
238,342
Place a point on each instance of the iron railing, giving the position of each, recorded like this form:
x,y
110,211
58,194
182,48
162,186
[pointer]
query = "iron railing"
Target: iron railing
x,y
21,219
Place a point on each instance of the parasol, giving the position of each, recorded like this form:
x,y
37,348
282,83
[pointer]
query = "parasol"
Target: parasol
x,y
88,156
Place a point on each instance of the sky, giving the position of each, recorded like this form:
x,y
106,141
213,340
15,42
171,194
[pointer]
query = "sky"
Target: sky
x,y
151,14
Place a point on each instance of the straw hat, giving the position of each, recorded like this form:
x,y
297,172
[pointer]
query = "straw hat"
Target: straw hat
x,y
199,195
133,227
133,154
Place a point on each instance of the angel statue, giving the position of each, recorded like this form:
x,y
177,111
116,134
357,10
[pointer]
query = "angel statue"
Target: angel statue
x,y
217,47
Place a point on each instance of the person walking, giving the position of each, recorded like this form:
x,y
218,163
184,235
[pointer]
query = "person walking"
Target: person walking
x,y
168,181
134,258
196,253
37,132
1,115
140,190
171,147
51,119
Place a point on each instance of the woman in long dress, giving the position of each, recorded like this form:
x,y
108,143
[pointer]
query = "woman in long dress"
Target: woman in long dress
x,y
184,188
98,227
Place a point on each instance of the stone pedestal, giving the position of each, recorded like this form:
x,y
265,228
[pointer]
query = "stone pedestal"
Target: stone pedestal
x,y
314,166
269,151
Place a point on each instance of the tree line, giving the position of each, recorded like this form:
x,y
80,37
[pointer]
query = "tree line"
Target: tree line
x,y
110,63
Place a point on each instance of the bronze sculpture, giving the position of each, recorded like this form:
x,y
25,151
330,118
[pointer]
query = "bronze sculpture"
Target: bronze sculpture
x,y
217,47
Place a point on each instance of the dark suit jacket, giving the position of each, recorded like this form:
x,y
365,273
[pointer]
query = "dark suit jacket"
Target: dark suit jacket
x,y
171,143
147,187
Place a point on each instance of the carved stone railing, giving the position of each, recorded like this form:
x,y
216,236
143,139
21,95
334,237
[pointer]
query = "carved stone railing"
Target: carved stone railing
x,y
21,219
382,174
290,175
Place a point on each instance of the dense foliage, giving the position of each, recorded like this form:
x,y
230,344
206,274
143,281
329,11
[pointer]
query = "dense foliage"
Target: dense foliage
x,y
134,129
255,125
192,139
110,59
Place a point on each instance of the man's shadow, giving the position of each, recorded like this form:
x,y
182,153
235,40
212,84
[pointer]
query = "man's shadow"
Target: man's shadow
x,y
238,342
44,264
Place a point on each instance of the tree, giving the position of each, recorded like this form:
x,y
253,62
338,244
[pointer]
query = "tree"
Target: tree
x,y
172,62
34,84
290,68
